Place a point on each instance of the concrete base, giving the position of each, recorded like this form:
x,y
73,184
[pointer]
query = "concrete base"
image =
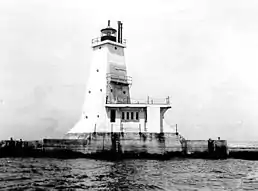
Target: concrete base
x,y
117,146
151,143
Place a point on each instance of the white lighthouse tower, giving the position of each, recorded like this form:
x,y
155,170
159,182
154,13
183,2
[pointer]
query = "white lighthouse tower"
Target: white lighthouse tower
x,y
108,83
108,108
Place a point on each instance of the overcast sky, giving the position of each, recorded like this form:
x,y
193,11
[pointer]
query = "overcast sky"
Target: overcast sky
x,y
201,53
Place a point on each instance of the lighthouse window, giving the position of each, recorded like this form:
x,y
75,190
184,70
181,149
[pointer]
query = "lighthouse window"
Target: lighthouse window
x,y
124,92
101,90
100,47
89,92
97,70
113,116
115,48
123,115
137,115
132,115
127,115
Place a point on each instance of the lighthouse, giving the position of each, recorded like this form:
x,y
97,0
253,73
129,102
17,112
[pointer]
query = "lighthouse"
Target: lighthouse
x,y
110,118
112,124
108,83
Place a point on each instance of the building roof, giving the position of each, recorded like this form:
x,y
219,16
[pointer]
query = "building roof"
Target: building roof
x,y
137,105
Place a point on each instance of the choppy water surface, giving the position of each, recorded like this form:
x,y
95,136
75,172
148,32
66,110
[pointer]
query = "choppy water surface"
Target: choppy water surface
x,y
85,174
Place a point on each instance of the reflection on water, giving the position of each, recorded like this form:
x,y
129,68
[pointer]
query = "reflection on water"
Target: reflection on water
x,y
85,174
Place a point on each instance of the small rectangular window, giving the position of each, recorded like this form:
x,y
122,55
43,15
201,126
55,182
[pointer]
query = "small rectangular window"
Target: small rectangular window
x,y
132,115
137,115
127,115
123,115
113,116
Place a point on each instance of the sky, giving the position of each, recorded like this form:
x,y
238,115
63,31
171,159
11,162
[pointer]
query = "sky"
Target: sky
x,y
201,53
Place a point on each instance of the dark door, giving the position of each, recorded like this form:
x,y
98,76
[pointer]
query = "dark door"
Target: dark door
x,y
113,116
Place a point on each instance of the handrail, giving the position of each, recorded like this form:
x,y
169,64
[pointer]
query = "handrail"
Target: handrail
x,y
118,78
124,127
165,101
97,40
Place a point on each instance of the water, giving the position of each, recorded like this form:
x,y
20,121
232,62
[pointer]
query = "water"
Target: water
x,y
85,174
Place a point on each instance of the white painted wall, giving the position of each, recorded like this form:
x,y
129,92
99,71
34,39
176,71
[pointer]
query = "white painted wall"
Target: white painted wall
x,y
129,126
153,119
94,111
142,120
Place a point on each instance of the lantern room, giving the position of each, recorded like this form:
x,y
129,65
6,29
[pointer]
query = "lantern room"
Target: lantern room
x,y
108,33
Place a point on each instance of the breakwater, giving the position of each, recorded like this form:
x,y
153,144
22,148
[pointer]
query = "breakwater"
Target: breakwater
x,y
83,148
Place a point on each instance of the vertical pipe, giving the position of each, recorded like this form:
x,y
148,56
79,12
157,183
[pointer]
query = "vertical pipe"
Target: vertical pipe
x,y
109,23
118,37
121,35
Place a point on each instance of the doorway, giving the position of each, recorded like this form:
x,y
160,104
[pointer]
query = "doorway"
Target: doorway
x,y
112,115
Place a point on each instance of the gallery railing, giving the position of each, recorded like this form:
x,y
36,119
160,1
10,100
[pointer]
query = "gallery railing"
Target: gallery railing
x,y
98,40
119,79
149,101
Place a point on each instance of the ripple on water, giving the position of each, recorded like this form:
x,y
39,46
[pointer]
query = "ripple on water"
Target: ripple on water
x,y
84,174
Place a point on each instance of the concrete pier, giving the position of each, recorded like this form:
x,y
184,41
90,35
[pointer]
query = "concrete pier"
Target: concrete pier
x,y
243,150
117,146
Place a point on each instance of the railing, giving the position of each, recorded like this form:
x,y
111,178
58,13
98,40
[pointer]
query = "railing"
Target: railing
x,y
158,100
97,40
149,101
131,127
124,127
119,79
115,128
